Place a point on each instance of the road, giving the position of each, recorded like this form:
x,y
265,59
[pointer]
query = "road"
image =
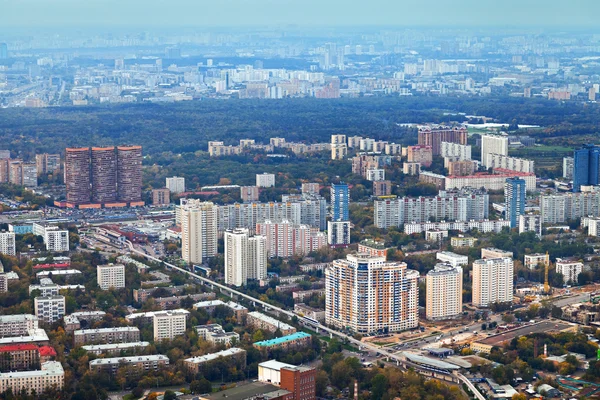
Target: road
x,y
579,298
370,347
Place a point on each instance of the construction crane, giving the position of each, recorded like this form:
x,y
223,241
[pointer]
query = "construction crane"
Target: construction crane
x,y
546,268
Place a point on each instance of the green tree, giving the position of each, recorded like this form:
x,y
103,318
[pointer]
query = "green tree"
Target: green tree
x,y
379,385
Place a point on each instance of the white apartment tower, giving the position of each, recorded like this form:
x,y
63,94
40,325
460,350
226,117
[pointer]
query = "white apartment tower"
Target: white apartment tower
x,y
111,276
245,257
492,281
265,180
570,268
169,324
444,292
49,309
175,184
339,148
368,294
198,231
493,144
7,243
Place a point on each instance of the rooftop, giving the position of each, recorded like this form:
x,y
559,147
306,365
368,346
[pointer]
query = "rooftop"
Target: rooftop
x,y
283,339
106,330
58,272
276,365
6,319
48,368
129,360
418,359
34,335
114,346
245,392
270,320
213,356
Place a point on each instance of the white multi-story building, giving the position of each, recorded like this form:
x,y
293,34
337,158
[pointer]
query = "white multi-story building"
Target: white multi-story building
x,y
267,323
49,309
458,205
46,289
483,226
198,231
368,294
17,325
444,292
338,233
533,260
493,144
265,180
50,376
285,239
110,276
214,333
568,163
456,151
115,348
593,225
245,257
7,243
176,184
411,168
492,281
493,181
169,324
339,148
570,268
558,208
492,252
456,260
55,239
376,175
510,163
530,223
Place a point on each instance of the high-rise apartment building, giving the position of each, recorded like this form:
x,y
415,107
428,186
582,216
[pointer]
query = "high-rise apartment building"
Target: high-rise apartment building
x,y
110,276
198,231
367,294
561,207
7,243
586,167
444,292
55,239
311,188
457,151
265,180
422,154
169,324
493,144
129,174
176,184
19,173
47,163
338,233
285,239
530,223
339,148
77,175
340,202
49,309
450,205
514,200
434,135
245,257
568,166
509,163
104,175
492,281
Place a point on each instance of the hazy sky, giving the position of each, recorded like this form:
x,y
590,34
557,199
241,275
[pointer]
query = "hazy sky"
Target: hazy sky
x,y
168,13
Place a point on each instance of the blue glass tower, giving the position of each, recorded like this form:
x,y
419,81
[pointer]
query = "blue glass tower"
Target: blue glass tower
x,y
586,163
340,201
514,199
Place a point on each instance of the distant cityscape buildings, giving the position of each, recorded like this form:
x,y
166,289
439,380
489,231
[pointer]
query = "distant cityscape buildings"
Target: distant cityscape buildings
x,y
586,167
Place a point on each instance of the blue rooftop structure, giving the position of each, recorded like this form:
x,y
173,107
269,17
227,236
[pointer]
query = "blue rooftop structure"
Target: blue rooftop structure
x,y
283,339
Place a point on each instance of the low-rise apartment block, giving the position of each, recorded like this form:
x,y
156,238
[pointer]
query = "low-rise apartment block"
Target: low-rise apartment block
x,y
293,341
214,333
51,375
234,355
106,335
239,311
266,323
142,364
456,260
533,260
115,348
49,309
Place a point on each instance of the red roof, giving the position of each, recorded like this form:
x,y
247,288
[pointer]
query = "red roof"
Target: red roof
x,y
47,351
18,347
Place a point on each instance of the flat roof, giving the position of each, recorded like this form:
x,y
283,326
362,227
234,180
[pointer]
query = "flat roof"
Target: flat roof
x,y
283,339
213,356
544,326
244,392
118,360
115,346
270,320
5,319
418,359
106,330
277,365
47,368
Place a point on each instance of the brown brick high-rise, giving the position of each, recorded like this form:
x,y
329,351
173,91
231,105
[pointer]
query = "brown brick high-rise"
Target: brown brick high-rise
x,y
77,175
129,173
434,136
104,175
